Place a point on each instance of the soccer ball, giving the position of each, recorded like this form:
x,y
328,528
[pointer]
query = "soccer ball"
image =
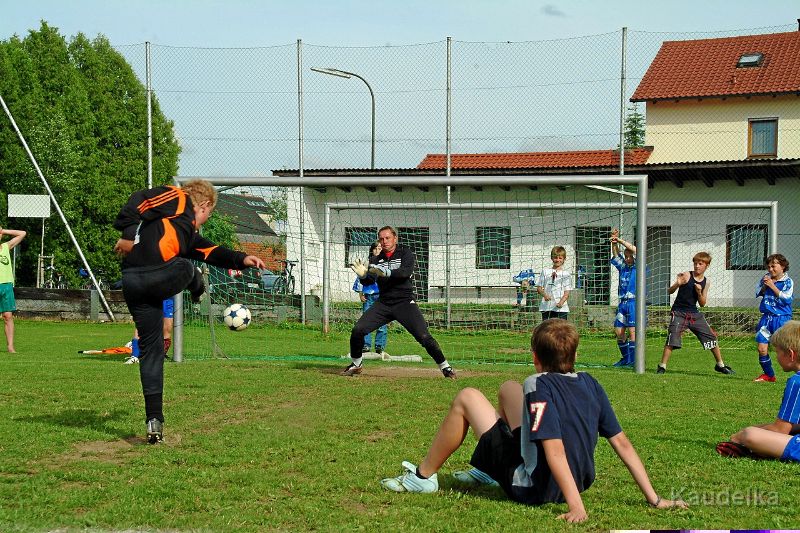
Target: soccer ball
x,y
236,317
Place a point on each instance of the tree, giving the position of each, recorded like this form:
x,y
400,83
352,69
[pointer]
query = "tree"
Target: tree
x,y
83,112
634,127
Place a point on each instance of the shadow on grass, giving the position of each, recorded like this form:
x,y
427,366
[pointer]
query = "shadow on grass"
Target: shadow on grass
x,y
85,419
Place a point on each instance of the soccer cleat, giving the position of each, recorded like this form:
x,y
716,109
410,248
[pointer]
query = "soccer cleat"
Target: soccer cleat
x,y
351,370
409,482
448,372
132,360
155,430
661,370
474,476
379,349
622,363
764,377
724,369
365,349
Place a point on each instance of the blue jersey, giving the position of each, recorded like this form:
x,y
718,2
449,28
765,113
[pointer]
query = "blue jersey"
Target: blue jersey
x,y
790,407
776,305
627,278
371,288
529,275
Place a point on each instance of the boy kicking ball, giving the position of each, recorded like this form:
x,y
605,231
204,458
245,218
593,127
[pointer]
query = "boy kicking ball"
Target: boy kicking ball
x,y
539,444
776,440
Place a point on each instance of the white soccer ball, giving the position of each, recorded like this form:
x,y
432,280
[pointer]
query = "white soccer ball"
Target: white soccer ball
x,y
237,317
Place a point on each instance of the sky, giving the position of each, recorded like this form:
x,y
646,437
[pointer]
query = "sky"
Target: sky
x,y
249,23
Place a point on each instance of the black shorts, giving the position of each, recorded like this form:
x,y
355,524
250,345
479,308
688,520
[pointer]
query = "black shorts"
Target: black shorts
x,y
695,322
498,454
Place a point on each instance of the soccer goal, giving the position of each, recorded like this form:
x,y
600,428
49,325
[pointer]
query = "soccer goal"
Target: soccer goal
x,y
481,247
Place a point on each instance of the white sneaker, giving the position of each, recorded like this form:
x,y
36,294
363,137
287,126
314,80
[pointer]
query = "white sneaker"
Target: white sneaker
x,y
474,477
132,360
409,482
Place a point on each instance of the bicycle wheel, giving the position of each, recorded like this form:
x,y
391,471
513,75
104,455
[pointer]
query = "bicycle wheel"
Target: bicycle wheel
x,y
279,287
290,289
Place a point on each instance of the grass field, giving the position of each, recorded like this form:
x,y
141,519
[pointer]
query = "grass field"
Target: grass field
x,y
284,443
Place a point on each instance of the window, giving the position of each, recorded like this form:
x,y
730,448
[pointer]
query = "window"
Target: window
x,y
493,247
592,253
357,242
745,247
762,137
750,60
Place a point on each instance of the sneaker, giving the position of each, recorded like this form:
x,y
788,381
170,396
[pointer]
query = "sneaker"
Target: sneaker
x,y
661,370
623,362
409,482
365,349
155,429
764,377
448,372
351,370
724,369
132,360
379,349
474,477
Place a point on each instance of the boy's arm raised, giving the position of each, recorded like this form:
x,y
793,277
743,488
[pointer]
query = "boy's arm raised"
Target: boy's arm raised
x,y
624,449
559,467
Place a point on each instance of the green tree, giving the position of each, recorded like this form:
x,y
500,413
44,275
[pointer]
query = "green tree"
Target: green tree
x,y
83,112
634,127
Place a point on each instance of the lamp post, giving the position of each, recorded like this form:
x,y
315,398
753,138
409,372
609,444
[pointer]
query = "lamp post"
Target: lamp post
x,y
348,75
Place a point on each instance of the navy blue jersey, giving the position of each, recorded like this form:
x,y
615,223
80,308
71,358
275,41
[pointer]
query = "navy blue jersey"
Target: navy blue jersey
x,y
776,305
570,407
686,300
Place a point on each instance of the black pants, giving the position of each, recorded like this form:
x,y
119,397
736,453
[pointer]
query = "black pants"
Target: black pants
x,y
407,314
554,314
145,289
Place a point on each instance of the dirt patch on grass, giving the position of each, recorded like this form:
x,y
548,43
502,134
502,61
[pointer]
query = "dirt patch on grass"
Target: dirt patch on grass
x,y
514,351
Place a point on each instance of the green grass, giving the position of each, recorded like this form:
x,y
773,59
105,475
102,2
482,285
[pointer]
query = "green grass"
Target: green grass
x,y
286,444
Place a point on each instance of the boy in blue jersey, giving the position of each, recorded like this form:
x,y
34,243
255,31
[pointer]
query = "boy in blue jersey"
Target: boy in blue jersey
x,y
369,294
625,319
525,278
775,290
777,440
539,444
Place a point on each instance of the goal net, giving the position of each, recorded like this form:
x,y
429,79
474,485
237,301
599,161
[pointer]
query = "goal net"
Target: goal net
x,y
479,260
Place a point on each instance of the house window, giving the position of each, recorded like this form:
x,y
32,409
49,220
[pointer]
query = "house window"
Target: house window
x,y
493,247
762,137
745,246
357,242
750,60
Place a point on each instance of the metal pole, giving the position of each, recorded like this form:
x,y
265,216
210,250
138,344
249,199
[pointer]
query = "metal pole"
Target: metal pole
x,y
177,328
622,92
641,274
773,228
448,150
106,306
326,278
149,76
300,164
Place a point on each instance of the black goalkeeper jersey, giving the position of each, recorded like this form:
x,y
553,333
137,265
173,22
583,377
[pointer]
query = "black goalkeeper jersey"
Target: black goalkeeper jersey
x,y
398,286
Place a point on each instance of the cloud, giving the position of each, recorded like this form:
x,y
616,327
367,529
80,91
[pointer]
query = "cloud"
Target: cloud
x,y
552,11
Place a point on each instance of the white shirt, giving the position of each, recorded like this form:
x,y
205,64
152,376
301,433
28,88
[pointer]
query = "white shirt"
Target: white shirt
x,y
555,283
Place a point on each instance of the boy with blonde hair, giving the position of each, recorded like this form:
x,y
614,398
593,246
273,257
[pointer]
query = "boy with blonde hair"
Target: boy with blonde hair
x,y
159,239
553,285
693,288
778,439
539,444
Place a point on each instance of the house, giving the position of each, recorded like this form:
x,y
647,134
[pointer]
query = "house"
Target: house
x,y
723,124
252,217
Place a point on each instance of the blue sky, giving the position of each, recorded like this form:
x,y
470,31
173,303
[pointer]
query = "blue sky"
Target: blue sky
x,y
245,23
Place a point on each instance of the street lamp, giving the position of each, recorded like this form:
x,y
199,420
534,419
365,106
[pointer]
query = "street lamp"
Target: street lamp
x,y
348,75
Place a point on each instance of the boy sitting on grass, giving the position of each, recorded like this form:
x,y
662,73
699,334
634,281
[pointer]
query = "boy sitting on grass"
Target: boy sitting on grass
x,y
779,439
539,445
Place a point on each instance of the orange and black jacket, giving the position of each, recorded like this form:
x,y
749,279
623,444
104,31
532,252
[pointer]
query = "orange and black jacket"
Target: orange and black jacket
x,y
161,223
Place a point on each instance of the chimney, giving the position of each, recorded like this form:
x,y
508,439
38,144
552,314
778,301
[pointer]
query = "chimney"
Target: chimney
x,y
798,24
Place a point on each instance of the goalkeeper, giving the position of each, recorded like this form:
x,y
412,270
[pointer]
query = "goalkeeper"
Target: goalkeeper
x,y
159,235
392,269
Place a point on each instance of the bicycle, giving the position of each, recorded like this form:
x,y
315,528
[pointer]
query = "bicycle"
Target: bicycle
x,y
88,285
285,282
54,279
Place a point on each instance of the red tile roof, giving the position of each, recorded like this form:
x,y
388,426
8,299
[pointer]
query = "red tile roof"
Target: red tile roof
x,y
532,160
707,68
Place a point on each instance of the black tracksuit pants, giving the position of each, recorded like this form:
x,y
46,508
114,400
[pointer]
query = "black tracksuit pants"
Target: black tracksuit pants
x,y
145,289
407,314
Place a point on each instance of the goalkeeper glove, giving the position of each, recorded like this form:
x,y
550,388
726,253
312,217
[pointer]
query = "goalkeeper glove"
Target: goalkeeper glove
x,y
359,266
380,270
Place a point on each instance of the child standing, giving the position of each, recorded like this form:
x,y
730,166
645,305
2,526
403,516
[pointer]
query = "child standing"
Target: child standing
x,y
369,294
693,288
775,290
539,444
554,285
159,237
524,278
625,320
775,440
8,305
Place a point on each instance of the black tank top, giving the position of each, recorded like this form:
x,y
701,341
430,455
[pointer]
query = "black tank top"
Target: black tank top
x,y
687,295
